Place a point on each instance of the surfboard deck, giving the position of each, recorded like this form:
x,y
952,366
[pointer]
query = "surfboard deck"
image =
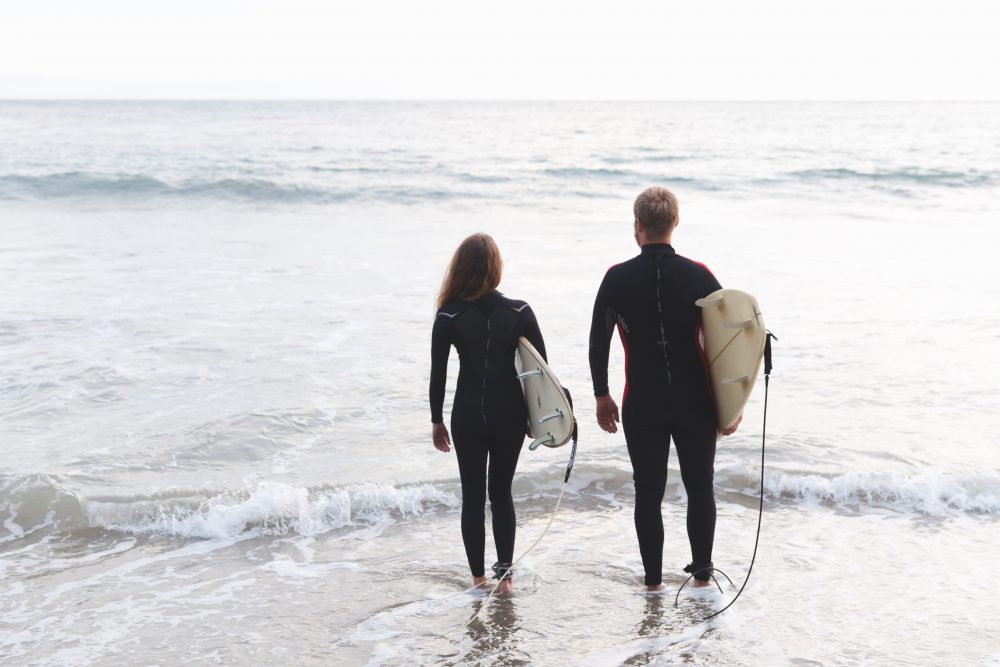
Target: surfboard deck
x,y
550,417
734,333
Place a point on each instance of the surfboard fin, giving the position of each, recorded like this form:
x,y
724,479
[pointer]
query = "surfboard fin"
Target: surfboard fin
x,y
538,442
709,301
553,415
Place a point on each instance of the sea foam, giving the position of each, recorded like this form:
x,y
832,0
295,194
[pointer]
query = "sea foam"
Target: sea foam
x,y
269,508
43,501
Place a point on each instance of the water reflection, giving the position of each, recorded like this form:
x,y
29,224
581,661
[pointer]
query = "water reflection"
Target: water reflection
x,y
495,634
658,623
653,623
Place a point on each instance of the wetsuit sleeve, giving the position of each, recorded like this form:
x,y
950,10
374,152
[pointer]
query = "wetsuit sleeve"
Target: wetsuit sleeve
x,y
532,332
440,348
601,325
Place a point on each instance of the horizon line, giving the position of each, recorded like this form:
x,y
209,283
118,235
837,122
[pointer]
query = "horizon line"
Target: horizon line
x,y
503,99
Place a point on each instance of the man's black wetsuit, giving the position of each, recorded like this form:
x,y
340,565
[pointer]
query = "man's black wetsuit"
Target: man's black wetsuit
x,y
651,300
489,415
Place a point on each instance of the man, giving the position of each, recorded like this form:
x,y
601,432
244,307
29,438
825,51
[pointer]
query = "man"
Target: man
x,y
650,298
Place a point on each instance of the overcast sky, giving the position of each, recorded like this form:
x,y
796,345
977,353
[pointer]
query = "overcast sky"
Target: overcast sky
x,y
464,49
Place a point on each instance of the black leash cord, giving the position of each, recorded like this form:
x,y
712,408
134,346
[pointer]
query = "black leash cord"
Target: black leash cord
x,y
760,510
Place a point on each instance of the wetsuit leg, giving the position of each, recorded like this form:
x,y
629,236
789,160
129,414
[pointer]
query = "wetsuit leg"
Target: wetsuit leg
x,y
649,450
471,451
695,443
504,452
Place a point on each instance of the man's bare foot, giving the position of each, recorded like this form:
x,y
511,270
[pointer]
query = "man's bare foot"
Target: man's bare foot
x,y
654,588
506,588
479,582
698,583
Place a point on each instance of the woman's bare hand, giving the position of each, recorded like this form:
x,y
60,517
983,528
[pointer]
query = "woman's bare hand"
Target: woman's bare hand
x,y
442,441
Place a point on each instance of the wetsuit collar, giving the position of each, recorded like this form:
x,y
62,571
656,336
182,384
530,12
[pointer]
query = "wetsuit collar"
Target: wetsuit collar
x,y
659,248
488,302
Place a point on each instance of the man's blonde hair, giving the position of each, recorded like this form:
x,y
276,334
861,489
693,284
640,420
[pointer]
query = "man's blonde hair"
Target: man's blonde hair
x,y
657,211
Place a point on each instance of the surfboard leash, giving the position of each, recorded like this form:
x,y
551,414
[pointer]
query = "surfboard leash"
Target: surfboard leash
x,y
760,510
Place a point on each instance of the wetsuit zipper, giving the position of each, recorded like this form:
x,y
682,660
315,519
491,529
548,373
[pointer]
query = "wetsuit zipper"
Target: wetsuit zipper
x,y
486,367
663,336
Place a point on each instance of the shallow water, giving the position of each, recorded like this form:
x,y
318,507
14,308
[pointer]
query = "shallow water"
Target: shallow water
x,y
214,358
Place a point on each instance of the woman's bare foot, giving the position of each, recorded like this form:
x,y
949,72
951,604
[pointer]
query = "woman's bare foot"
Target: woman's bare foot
x,y
654,588
479,582
698,583
506,588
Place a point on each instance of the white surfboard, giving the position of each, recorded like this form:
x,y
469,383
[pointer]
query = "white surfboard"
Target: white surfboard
x,y
550,416
734,346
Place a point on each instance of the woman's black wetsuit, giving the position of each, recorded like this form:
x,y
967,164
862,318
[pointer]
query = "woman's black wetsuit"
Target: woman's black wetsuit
x,y
489,417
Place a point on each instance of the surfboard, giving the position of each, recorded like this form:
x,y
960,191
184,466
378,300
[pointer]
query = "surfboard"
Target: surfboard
x,y
734,333
550,417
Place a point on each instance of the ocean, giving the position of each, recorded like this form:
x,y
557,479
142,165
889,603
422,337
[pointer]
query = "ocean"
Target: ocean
x,y
215,350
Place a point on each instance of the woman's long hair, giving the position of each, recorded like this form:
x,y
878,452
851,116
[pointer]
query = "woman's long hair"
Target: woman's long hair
x,y
474,271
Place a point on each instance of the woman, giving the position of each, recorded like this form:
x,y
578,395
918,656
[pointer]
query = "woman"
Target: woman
x,y
488,417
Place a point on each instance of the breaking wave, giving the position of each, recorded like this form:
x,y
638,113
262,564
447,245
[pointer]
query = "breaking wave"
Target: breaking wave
x,y
268,508
39,501
926,493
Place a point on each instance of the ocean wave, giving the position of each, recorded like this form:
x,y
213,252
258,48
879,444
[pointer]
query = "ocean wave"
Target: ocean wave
x,y
905,175
394,185
40,501
32,502
269,508
35,502
585,172
70,185
138,188
927,493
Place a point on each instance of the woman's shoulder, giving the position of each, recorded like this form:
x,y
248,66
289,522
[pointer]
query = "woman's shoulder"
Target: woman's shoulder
x,y
450,311
516,305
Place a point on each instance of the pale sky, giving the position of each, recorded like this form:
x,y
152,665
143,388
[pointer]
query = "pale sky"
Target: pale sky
x,y
464,49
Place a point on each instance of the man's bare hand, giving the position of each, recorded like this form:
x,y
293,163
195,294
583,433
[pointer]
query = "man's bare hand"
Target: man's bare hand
x,y
607,414
732,429
442,441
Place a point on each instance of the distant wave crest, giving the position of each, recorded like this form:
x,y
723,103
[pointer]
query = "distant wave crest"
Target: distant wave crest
x,y
133,187
395,183
908,176
81,184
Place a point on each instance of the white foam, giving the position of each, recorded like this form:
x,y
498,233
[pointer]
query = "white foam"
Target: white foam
x,y
930,493
269,508
15,531
286,567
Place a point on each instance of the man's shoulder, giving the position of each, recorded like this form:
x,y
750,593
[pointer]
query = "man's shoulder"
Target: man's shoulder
x,y
622,268
695,264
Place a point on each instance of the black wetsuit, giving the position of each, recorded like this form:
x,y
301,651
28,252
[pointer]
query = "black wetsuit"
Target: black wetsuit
x,y
489,417
651,300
